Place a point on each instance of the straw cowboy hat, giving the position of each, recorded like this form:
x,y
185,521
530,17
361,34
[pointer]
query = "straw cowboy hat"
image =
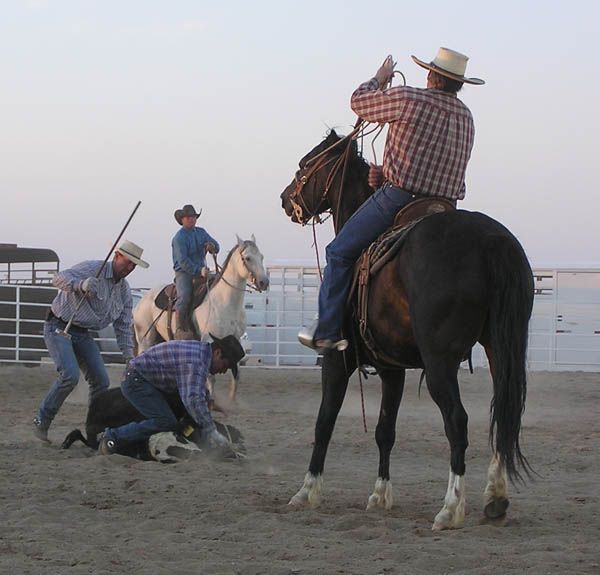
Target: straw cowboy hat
x,y
450,64
133,253
187,210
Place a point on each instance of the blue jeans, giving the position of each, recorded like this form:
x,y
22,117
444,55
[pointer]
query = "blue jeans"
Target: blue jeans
x,y
69,355
183,305
366,224
151,403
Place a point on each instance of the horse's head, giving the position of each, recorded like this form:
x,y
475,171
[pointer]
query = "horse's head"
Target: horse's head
x,y
317,185
307,195
249,262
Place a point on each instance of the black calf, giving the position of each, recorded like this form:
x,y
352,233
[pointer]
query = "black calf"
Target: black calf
x,y
111,409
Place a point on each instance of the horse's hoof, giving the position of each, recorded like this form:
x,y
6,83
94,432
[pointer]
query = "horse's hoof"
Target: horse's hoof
x,y
374,502
447,519
496,508
300,499
381,497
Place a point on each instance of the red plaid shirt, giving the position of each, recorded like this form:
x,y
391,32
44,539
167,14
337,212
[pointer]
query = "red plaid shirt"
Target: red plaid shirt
x,y
429,140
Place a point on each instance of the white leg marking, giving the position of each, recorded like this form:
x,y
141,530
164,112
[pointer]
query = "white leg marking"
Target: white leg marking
x,y
382,496
210,385
495,495
233,386
452,514
310,492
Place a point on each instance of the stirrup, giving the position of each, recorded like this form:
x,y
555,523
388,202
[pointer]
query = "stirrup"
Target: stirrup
x,y
306,336
330,344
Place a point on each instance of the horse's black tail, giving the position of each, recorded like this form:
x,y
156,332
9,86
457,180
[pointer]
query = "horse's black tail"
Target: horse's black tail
x,y
74,436
511,282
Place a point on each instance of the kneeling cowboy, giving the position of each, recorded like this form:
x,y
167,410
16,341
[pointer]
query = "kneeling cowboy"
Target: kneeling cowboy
x,y
181,366
190,245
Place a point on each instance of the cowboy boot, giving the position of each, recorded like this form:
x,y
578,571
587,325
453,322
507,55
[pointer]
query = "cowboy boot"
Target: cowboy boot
x,y
306,336
40,429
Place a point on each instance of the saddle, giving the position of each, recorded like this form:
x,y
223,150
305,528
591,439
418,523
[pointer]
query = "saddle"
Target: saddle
x,y
380,252
166,298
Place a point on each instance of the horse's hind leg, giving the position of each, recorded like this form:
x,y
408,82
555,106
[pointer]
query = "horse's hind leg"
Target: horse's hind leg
x,y
392,386
442,382
334,382
495,495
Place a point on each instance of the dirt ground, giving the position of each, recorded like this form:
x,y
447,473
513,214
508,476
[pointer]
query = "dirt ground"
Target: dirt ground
x,y
75,512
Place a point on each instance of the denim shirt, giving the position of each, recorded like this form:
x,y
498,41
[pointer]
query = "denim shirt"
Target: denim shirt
x,y
112,304
189,250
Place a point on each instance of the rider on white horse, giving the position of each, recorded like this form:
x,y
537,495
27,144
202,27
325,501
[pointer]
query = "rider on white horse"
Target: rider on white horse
x,y
220,313
189,245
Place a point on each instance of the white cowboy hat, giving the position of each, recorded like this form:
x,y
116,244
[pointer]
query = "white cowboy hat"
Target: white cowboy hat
x,y
450,64
133,253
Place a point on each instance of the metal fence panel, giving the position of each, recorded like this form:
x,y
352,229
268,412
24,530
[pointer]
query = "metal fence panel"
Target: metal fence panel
x,y
564,329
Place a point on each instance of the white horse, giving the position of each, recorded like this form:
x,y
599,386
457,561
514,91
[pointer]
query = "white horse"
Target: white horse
x,y
222,311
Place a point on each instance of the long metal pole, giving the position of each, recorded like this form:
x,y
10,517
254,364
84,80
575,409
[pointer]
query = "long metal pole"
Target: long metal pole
x,y
65,332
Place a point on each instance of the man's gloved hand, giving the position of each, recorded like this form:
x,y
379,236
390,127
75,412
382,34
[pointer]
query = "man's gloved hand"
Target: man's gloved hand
x,y
89,286
218,440
385,73
375,176
211,248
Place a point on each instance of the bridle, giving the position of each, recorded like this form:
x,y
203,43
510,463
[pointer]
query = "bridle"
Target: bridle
x,y
301,211
251,276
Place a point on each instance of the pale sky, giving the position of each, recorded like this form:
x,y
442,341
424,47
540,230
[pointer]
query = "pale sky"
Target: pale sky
x,y
105,103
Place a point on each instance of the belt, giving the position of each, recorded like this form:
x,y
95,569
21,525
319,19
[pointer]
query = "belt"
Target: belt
x,y
415,195
51,315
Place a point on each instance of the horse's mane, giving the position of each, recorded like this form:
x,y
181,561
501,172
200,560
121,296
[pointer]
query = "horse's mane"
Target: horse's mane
x,y
245,244
331,138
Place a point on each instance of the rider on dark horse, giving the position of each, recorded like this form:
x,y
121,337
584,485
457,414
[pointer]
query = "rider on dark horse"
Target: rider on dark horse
x,y
428,145
190,245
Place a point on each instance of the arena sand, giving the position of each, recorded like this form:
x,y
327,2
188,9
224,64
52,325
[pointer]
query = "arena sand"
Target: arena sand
x,y
76,512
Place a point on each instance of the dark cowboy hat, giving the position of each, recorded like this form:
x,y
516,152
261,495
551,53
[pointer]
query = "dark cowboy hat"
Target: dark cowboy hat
x,y
232,350
187,210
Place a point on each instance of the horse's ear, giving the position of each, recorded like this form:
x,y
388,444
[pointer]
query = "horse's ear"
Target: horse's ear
x,y
253,239
240,241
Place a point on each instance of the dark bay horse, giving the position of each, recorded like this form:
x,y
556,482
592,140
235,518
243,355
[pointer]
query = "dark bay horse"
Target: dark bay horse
x,y
460,278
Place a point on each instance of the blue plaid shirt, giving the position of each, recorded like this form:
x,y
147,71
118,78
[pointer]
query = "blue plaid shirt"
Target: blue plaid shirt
x,y
112,303
181,365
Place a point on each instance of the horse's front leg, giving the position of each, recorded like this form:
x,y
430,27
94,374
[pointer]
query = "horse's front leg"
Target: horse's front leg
x,y
334,382
233,384
392,386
